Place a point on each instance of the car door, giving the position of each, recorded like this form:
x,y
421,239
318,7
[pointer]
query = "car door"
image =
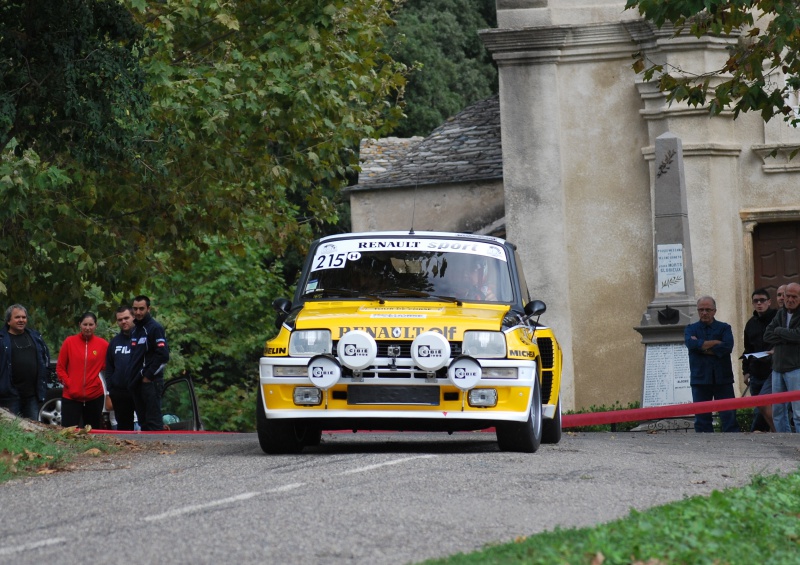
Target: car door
x,y
179,405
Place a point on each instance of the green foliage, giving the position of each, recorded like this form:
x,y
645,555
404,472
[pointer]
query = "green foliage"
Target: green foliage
x,y
72,85
249,115
621,427
453,69
696,531
218,314
749,79
230,410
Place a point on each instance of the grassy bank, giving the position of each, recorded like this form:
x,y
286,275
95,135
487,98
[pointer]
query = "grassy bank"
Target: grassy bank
x,y
27,448
759,523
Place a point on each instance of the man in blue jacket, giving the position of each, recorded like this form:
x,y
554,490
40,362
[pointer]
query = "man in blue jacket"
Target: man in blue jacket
x,y
24,365
710,343
117,371
149,356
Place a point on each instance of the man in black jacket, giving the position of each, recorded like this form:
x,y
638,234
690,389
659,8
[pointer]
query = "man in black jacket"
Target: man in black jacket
x,y
149,356
757,358
117,371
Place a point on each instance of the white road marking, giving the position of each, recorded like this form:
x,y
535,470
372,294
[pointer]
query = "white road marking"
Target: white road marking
x,y
29,546
198,507
239,497
284,488
378,465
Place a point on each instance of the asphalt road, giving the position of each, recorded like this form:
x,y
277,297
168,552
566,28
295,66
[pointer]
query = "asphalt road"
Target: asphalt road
x,y
364,498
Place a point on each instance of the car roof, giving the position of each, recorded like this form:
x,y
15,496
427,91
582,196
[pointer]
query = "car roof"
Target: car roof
x,y
424,234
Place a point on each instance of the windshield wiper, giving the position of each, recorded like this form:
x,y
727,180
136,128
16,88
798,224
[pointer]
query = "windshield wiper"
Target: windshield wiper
x,y
333,292
400,292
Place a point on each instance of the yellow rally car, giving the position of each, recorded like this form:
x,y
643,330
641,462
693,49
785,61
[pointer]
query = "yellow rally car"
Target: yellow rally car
x,y
410,331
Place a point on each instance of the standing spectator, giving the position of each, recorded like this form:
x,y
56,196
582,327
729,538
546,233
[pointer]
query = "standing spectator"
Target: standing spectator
x,y
779,295
149,356
710,343
24,365
80,361
783,333
757,371
117,369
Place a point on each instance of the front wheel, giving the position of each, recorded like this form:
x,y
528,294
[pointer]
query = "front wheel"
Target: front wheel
x,y
551,429
526,436
277,437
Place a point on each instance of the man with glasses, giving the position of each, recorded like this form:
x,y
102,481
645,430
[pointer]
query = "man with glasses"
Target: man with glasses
x,y
757,358
783,333
710,343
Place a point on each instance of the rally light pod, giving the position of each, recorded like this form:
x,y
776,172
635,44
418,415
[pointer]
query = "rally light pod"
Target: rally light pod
x,y
324,371
357,350
430,351
464,372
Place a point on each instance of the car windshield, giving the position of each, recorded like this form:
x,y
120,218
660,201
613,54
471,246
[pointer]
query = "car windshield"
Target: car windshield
x,y
405,267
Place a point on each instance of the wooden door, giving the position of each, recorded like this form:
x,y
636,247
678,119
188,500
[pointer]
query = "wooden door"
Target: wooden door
x,y
776,255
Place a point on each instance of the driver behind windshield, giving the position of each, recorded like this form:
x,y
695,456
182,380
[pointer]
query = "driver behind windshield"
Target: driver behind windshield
x,y
473,282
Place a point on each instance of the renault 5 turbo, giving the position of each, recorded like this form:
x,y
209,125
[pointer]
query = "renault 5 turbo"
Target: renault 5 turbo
x,y
421,331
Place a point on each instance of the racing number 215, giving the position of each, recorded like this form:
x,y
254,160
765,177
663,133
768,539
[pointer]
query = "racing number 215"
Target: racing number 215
x,y
331,261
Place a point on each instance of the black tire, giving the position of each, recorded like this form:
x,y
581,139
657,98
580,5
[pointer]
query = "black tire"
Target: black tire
x,y
278,437
50,412
551,429
313,437
523,437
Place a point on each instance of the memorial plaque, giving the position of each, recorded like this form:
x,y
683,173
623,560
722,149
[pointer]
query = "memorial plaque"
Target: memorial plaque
x,y
670,268
666,375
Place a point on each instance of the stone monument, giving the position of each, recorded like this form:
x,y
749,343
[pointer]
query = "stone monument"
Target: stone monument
x,y
666,371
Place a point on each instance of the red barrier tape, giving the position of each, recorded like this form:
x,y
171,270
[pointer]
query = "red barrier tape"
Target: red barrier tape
x,y
675,410
613,417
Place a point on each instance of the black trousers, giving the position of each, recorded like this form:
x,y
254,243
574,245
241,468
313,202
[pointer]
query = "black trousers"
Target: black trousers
x,y
78,413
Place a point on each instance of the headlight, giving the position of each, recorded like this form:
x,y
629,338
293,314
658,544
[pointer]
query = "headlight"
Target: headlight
x,y
290,371
484,344
499,373
307,343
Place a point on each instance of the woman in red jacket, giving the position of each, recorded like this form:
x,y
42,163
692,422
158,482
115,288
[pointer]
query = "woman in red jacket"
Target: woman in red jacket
x,y
80,361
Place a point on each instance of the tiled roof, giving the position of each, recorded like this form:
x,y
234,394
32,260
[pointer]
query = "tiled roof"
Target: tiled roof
x,y
466,147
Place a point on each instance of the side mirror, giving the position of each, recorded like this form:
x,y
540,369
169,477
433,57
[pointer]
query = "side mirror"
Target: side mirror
x,y
282,305
535,308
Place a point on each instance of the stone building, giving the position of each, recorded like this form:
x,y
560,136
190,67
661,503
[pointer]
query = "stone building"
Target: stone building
x,y
451,180
578,131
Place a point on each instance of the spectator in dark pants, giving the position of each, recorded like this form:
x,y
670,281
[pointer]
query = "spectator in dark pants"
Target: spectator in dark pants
x,y
24,363
757,357
710,343
80,361
149,356
117,370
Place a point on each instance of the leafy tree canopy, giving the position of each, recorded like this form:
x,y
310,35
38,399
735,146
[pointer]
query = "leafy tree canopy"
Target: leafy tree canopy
x,y
138,135
763,66
453,69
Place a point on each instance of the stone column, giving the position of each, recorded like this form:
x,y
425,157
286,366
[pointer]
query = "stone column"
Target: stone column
x,y
666,373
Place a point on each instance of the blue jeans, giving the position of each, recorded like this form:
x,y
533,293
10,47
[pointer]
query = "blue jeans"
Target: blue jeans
x,y
703,422
25,406
785,382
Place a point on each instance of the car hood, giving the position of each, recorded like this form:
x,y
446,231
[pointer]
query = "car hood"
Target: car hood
x,y
400,320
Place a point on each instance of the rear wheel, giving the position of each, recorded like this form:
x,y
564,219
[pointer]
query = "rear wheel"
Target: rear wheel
x,y
278,437
551,429
523,436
